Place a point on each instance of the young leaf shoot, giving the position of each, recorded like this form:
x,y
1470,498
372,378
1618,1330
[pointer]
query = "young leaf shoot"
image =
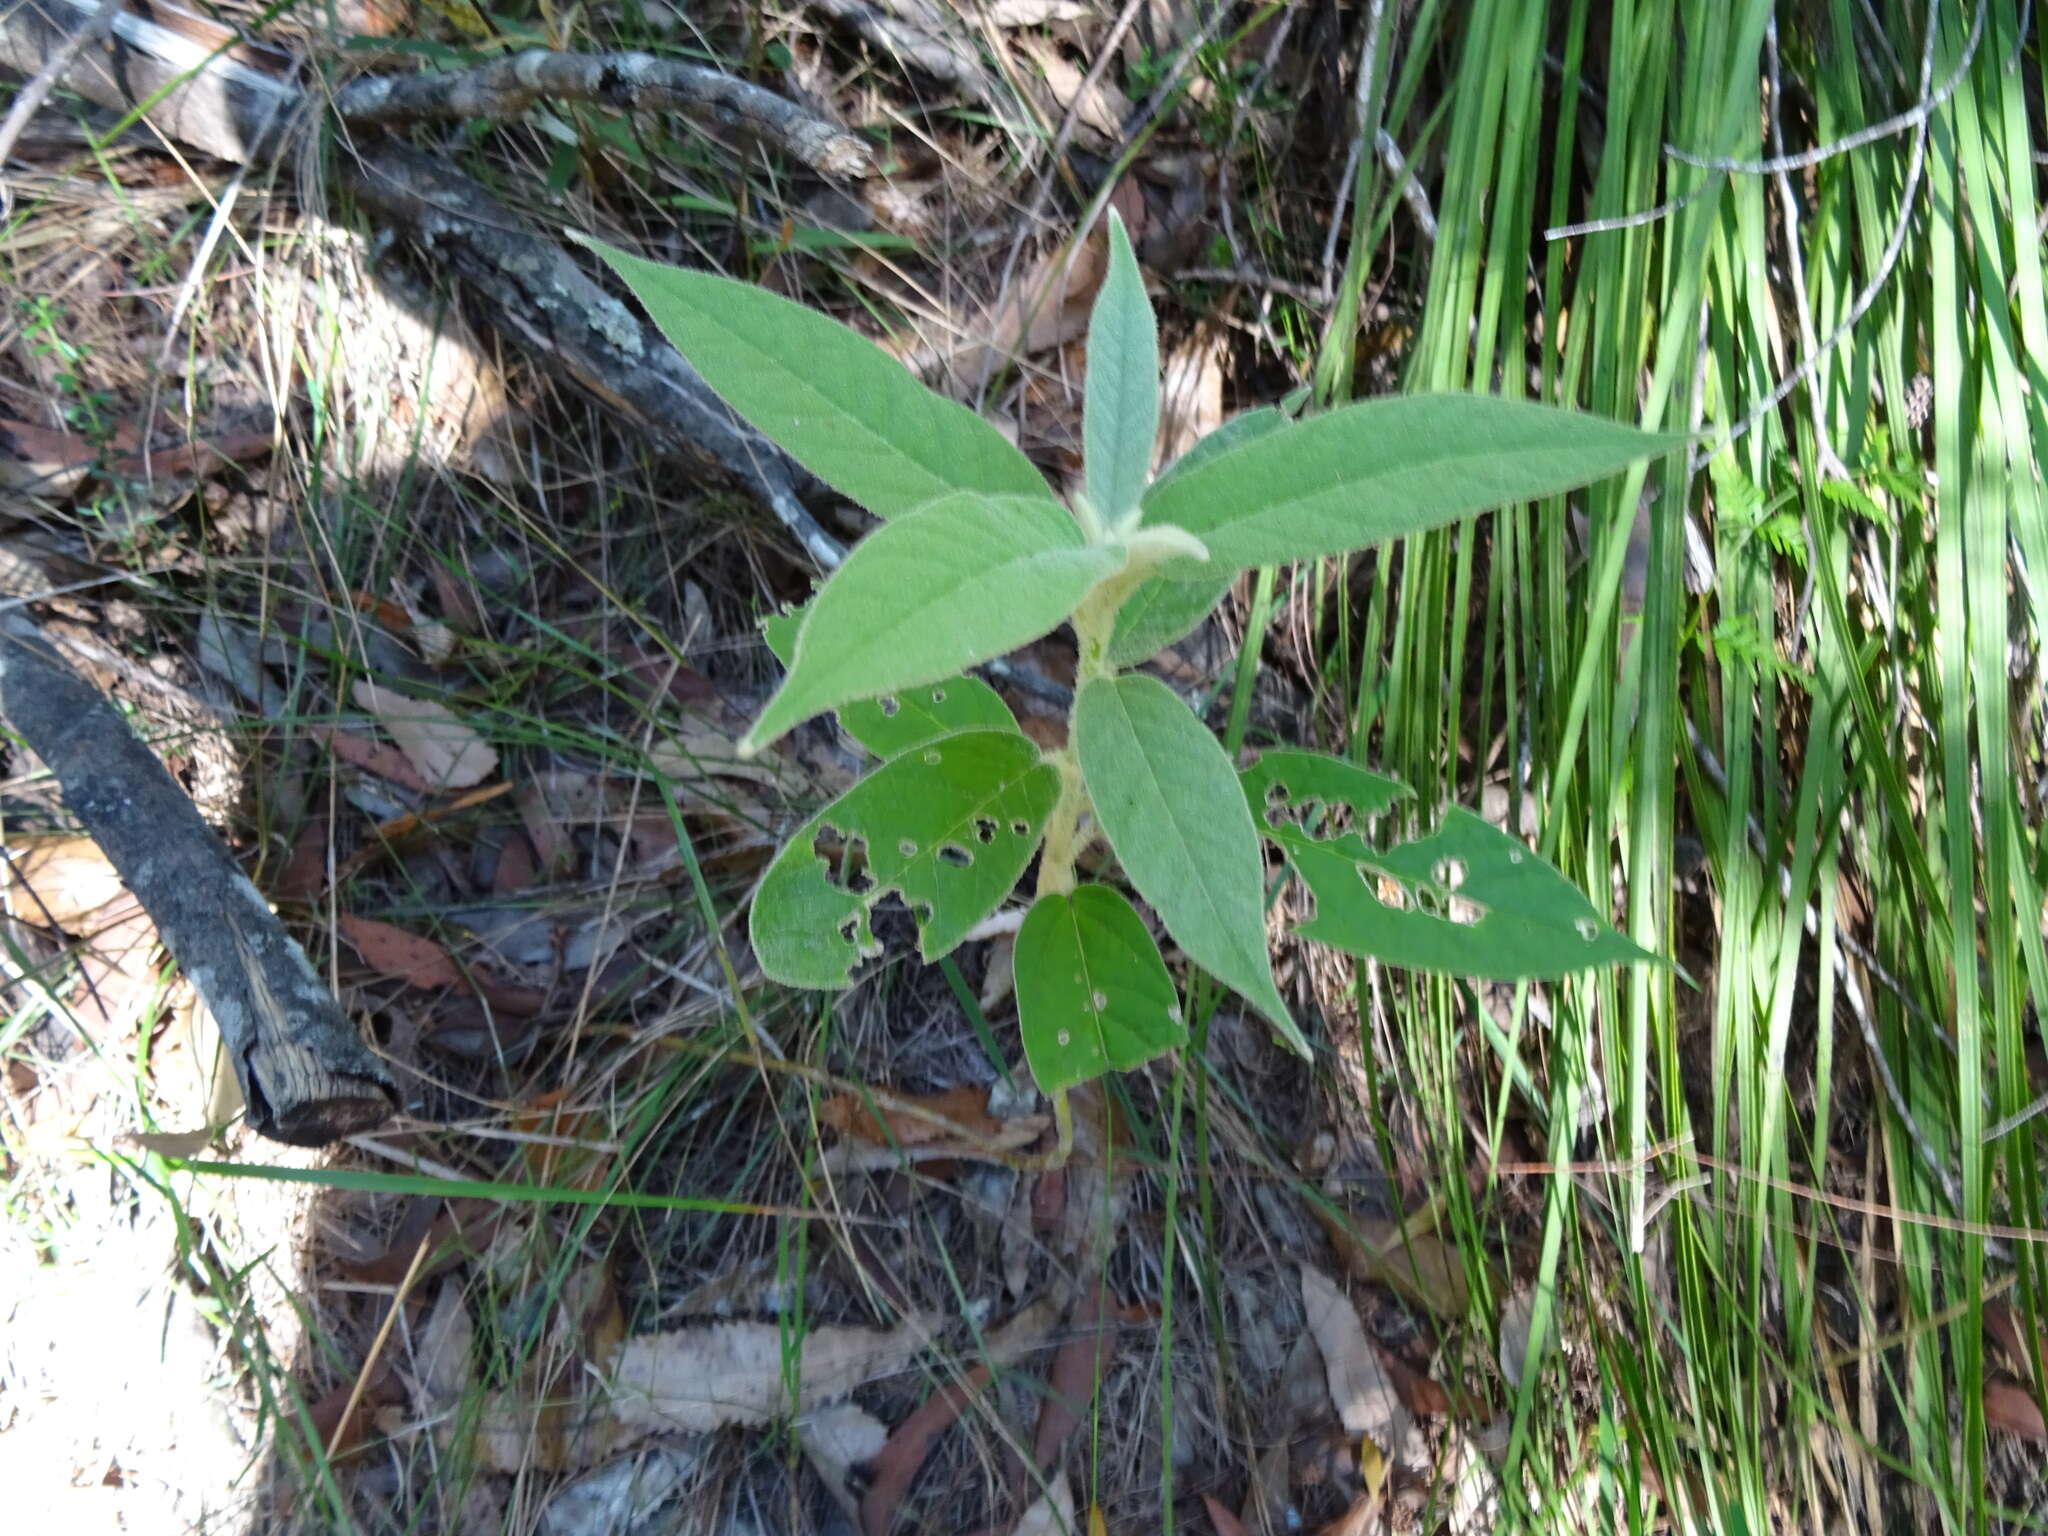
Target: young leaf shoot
x,y
976,558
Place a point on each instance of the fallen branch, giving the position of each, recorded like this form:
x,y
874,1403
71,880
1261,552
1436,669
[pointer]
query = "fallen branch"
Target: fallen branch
x,y
193,81
305,1072
538,295
629,82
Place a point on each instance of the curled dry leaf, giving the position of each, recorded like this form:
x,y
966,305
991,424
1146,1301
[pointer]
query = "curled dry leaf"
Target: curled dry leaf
x,y
55,881
1052,1514
408,957
701,1379
2011,1407
909,1120
1423,1267
1367,1403
447,753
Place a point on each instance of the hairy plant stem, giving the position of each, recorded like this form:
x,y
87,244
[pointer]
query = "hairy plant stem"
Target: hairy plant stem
x,y
1094,621
1063,842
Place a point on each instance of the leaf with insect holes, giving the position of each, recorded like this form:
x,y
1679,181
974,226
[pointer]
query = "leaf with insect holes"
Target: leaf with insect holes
x,y
1467,900
1306,785
910,717
1168,801
1384,469
955,583
835,402
897,722
1120,411
1093,995
949,826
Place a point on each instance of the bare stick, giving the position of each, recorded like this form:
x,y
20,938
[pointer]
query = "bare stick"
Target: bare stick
x,y
1898,123
1915,163
305,1072
37,91
630,82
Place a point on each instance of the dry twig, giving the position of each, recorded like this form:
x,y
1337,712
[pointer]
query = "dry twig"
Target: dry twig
x,y
630,82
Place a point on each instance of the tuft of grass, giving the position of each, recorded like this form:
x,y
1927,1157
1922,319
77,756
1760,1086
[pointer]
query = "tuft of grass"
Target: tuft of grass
x,y
1768,1178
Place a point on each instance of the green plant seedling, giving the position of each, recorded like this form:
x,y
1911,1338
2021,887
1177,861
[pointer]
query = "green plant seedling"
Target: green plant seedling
x,y
976,556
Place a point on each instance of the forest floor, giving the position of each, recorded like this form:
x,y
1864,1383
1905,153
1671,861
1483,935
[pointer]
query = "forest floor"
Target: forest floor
x,y
455,661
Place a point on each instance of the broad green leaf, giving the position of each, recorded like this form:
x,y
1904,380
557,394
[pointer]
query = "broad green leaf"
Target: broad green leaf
x,y
910,717
1166,798
1120,412
780,630
1162,611
1299,789
1384,469
949,826
930,594
1093,995
1467,899
837,403
896,722
1245,427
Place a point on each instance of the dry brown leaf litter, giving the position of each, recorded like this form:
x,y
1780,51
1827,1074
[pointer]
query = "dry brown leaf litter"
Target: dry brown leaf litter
x,y
447,752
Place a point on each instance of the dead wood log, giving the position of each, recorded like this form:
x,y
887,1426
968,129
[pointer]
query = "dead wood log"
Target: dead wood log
x,y
305,1072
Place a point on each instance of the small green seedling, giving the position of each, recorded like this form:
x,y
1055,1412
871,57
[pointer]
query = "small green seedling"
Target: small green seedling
x,y
975,557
